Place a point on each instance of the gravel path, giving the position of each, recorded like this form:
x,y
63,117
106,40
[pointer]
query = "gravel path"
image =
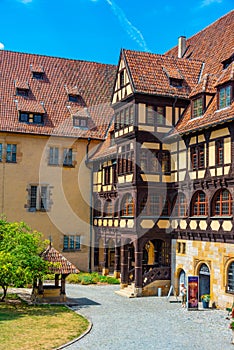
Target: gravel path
x,y
146,323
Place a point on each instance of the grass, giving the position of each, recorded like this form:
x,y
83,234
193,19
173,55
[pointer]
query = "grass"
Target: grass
x,y
43,327
91,278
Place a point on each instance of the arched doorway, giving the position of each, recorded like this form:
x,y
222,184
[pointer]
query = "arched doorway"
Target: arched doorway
x,y
182,278
204,280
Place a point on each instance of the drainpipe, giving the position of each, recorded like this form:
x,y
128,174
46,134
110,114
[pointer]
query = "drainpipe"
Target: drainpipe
x,y
91,207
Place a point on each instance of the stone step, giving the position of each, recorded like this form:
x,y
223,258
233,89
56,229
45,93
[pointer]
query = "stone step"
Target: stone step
x,y
125,293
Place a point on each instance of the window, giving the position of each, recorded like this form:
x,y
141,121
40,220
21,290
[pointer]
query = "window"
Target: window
x,y
165,162
80,122
176,82
71,242
11,153
53,156
155,205
108,209
125,160
199,204
230,278
38,75
222,203
73,98
25,117
37,119
150,115
0,152
160,115
181,206
219,150
197,106
97,209
225,97
67,157
38,198
181,247
22,92
127,206
121,79
197,156
149,162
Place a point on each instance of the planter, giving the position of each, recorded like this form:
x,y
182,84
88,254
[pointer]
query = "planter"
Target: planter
x,y
205,304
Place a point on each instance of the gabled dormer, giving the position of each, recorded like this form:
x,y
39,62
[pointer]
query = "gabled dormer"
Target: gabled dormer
x,y
30,111
122,86
21,88
202,95
174,76
38,72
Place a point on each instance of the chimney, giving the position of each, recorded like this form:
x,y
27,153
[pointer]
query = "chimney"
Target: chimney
x,y
181,46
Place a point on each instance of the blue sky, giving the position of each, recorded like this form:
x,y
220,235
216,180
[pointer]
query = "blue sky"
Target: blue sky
x,y
96,30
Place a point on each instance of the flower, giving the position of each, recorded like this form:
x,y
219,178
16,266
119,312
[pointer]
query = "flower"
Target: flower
x,y
231,326
205,297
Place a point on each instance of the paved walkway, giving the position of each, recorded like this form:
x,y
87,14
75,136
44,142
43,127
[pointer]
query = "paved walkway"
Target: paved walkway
x,y
146,323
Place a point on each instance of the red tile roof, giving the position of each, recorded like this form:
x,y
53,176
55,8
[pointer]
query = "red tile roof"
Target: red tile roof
x,y
213,45
148,72
64,266
94,81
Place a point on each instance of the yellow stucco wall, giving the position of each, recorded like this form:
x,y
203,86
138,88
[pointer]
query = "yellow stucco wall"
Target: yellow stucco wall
x,y
68,187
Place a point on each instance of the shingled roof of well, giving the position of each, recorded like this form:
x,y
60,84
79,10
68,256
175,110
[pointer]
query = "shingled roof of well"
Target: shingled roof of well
x,y
150,73
93,81
64,266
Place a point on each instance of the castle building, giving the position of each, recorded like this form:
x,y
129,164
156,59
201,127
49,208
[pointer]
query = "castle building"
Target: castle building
x,y
163,180
129,169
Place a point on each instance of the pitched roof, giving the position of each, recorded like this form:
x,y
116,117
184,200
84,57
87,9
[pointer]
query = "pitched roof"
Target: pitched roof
x,y
106,149
150,73
213,45
64,266
93,81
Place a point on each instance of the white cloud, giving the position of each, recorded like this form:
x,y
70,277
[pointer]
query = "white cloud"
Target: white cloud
x,y
1,46
131,30
210,2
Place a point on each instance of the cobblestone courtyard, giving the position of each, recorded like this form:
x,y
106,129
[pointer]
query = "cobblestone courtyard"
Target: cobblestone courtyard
x,y
146,323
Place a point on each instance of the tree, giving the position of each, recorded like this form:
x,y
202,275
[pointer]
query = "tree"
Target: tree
x,y
20,250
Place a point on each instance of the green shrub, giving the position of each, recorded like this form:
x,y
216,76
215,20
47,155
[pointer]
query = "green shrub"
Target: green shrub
x,y
86,278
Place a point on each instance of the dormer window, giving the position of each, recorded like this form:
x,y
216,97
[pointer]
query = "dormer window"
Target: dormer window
x,y
37,71
80,122
197,107
73,98
224,96
22,92
38,75
176,82
228,61
26,117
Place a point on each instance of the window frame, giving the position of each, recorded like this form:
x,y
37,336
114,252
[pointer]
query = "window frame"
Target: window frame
x,y
197,107
67,157
230,289
227,98
219,201
73,242
197,156
196,201
11,153
127,206
39,198
219,147
53,155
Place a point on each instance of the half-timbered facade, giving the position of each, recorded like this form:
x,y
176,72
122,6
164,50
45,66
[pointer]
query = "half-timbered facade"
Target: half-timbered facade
x,y
163,180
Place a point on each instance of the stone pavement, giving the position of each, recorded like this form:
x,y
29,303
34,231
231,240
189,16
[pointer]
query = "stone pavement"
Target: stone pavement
x,y
146,323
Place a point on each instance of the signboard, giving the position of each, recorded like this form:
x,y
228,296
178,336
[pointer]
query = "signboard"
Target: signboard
x,y
193,292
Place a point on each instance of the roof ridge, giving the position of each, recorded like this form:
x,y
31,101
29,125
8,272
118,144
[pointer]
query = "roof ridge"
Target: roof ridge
x,y
56,57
